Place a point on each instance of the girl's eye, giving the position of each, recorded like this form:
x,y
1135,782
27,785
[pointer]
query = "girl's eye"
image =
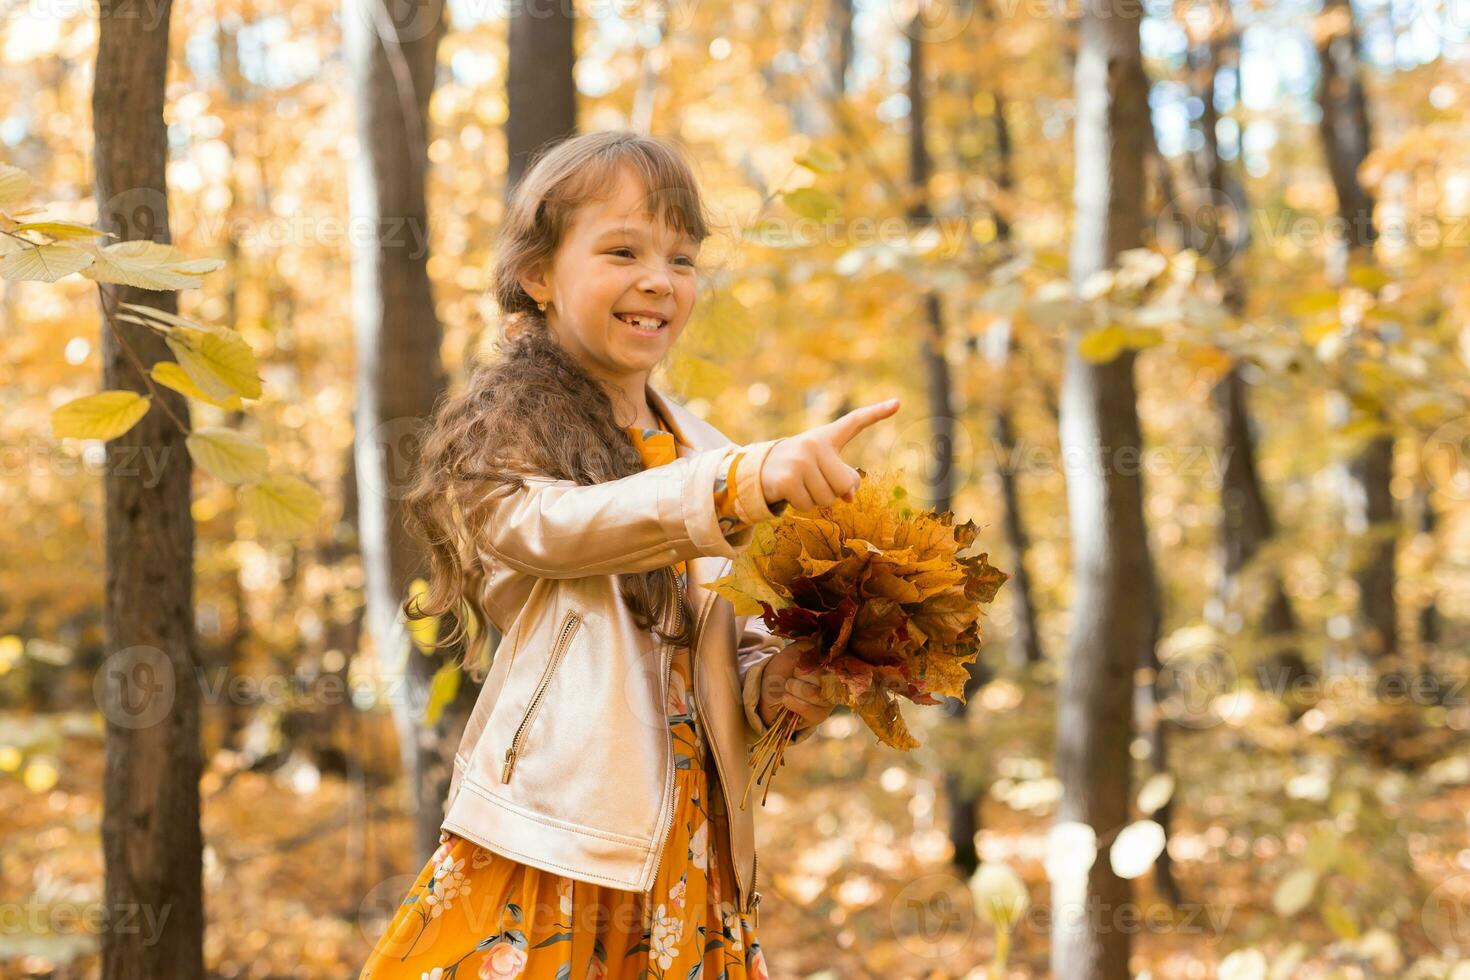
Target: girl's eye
x,y
623,248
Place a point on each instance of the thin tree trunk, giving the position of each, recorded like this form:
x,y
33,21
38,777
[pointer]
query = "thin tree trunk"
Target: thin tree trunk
x,y
1001,346
540,89
1116,609
1371,510
152,841
840,40
1247,523
962,803
236,710
1429,612
400,373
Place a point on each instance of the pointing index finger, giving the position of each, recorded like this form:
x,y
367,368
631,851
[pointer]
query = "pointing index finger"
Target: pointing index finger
x,y
859,419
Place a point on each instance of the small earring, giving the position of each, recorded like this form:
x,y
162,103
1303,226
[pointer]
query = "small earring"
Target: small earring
x,y
541,307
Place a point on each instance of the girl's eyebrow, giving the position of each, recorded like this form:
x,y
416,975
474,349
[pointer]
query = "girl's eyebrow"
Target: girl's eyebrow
x,y
622,231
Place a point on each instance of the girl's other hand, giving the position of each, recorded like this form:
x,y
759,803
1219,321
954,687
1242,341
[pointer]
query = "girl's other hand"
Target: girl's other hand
x,y
781,688
806,470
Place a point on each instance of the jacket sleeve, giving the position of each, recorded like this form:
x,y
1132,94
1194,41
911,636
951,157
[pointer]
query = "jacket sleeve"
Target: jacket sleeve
x,y
660,516
733,518
757,646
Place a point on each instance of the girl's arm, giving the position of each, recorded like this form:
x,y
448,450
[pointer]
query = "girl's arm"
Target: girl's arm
x,y
657,517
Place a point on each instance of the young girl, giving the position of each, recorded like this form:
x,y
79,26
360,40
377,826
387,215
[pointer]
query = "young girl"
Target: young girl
x,y
593,827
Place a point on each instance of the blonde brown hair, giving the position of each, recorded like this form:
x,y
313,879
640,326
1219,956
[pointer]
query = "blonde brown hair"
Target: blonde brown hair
x,y
533,406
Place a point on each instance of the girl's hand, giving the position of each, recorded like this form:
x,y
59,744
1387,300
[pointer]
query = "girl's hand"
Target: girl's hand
x,y
782,687
806,470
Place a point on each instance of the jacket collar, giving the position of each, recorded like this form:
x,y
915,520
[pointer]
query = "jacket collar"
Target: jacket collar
x,y
686,425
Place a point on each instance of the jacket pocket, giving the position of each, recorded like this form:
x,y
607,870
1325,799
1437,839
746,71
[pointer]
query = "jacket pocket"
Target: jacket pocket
x,y
564,636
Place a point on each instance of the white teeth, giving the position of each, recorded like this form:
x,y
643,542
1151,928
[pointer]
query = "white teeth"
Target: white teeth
x,y
647,323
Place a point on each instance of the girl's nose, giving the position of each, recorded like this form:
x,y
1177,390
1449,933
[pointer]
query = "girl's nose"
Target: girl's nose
x,y
657,284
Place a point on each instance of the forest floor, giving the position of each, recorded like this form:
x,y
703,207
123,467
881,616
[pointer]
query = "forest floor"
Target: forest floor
x,y
299,879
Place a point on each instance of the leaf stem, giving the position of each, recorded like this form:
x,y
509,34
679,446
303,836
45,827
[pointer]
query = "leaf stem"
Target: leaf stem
x,y
108,313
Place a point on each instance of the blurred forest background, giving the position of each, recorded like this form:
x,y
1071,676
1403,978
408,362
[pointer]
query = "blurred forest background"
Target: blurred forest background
x,y
1226,239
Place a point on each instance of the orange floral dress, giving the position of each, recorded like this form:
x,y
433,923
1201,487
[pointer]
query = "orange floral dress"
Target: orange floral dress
x,y
474,913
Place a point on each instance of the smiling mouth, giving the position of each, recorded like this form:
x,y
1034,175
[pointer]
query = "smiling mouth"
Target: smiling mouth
x,y
643,324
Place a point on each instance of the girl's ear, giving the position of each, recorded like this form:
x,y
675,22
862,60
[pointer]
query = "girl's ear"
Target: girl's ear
x,y
533,281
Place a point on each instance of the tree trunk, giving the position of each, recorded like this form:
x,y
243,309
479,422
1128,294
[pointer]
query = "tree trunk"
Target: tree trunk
x,y
840,47
1429,632
1214,224
227,47
1115,613
1000,347
1371,511
540,90
152,841
938,483
400,373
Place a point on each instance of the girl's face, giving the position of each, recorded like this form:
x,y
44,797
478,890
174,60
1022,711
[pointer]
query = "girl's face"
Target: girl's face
x,y
615,259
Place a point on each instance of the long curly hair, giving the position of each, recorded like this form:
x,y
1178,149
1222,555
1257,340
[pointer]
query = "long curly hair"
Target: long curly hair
x,y
532,405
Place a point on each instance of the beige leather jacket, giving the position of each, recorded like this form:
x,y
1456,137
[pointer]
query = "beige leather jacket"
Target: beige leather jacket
x,y
566,762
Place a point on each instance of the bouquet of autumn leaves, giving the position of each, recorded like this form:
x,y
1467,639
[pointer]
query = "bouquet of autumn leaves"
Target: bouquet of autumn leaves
x,y
877,597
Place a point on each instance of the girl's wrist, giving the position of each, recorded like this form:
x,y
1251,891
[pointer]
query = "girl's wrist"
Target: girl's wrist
x,y
750,495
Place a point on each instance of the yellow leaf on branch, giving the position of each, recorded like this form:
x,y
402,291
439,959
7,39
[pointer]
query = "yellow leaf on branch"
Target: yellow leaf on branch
x,y
282,506
105,415
227,455
148,265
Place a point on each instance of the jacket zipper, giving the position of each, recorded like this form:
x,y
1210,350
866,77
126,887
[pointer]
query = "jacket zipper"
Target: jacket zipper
x,y
669,782
753,905
568,627
755,896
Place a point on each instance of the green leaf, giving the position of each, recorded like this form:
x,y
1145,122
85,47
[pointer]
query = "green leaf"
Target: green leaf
x,y
228,455
282,506
43,263
105,415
